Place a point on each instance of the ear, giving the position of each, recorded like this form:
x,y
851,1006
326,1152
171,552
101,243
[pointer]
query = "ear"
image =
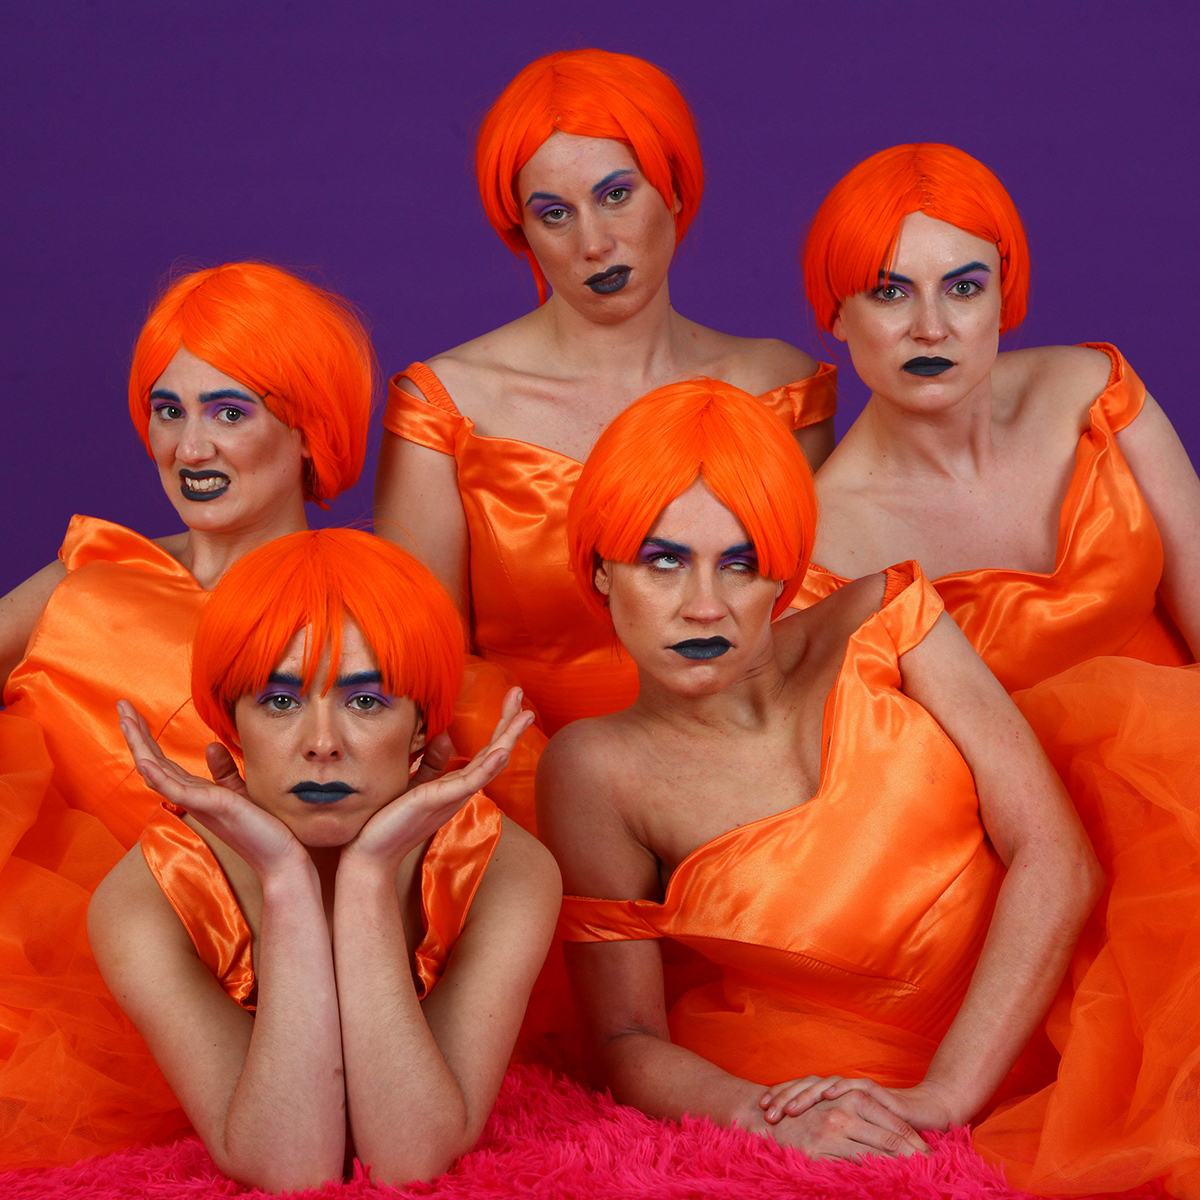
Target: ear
x,y
602,579
838,329
305,452
419,737
678,208
779,589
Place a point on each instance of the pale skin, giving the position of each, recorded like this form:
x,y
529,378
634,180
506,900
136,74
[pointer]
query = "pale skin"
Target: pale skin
x,y
557,376
712,745
969,469
201,421
341,1057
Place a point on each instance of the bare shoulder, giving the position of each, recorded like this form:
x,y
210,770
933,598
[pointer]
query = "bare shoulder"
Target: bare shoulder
x,y
756,365
129,919
1056,382
522,874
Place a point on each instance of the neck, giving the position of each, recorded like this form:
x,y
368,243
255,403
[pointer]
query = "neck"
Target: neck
x,y
208,554
636,346
954,442
746,705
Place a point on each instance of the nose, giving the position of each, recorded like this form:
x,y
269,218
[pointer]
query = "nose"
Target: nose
x,y
929,321
322,738
596,237
702,600
195,443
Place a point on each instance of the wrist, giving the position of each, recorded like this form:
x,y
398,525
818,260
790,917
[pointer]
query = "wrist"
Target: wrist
x,y
959,1104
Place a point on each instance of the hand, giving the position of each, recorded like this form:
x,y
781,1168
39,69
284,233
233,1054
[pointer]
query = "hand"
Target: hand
x,y
849,1126
926,1106
430,802
222,805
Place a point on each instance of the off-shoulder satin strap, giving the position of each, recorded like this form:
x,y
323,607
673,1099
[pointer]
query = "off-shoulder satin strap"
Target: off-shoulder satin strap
x,y
583,919
89,539
451,873
910,606
433,422
193,882
806,401
1125,393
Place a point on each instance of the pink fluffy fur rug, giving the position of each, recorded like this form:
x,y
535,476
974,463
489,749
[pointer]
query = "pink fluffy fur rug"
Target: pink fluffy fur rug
x,y
552,1140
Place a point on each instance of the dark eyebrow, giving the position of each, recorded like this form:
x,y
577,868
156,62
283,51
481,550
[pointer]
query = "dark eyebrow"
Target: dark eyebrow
x,y
163,394
544,196
610,177
740,548
358,679
971,266
892,277
285,679
669,547
226,394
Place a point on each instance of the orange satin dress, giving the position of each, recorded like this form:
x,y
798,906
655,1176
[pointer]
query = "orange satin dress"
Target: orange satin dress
x,y
839,937
1101,597
526,613
1093,660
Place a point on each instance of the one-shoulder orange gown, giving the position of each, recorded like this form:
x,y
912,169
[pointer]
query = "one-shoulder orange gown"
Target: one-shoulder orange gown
x,y
1093,660
526,613
842,934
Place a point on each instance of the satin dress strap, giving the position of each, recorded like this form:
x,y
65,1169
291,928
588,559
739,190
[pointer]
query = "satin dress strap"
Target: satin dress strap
x,y
199,892
806,401
433,422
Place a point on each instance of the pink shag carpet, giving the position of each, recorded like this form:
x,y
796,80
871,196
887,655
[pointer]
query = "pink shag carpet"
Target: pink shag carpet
x,y
550,1139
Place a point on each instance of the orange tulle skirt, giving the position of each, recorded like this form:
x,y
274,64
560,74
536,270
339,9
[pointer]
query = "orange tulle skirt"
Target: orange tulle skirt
x,y
1125,1107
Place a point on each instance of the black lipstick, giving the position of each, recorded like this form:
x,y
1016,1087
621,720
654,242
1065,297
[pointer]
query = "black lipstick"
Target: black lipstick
x,y
604,283
191,494
701,648
927,366
322,793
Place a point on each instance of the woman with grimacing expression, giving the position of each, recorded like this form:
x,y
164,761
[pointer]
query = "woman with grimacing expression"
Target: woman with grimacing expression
x,y
588,167
326,959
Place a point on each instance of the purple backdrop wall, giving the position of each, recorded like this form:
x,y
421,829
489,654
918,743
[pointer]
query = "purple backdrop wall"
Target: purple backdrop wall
x,y
337,138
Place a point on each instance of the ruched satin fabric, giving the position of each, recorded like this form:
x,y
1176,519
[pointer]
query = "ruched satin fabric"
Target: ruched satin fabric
x,y
526,613
1101,598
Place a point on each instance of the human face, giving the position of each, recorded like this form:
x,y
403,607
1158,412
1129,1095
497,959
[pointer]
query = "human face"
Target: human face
x,y
325,764
692,610
927,336
225,460
600,231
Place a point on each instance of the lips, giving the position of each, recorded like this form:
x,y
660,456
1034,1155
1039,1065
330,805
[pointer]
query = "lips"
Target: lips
x,y
322,793
604,283
701,648
204,485
927,366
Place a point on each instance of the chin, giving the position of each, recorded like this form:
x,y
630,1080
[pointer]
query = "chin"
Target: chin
x,y
322,831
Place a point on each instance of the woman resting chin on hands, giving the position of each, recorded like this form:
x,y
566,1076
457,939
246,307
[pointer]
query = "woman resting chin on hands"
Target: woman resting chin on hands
x,y
820,846
327,958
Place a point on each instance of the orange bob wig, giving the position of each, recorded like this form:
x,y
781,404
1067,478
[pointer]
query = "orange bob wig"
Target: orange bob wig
x,y
591,93
657,448
301,348
855,231
314,581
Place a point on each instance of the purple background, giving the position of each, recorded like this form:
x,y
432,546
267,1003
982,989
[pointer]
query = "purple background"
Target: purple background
x,y
337,139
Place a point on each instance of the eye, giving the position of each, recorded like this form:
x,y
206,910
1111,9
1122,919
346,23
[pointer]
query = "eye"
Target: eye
x,y
743,566
616,195
167,412
966,287
228,415
556,215
888,292
365,702
663,561
278,702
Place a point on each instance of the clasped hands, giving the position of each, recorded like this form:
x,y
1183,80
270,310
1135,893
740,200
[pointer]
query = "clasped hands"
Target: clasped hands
x,y
223,806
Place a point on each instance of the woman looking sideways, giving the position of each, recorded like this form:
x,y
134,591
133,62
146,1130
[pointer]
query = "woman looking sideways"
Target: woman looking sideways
x,y
252,392
324,959
589,167
1055,510
871,879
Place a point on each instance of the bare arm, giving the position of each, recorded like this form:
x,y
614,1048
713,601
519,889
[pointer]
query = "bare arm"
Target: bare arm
x,y
421,1079
1052,882
816,441
19,611
1167,480
265,1093
418,506
619,985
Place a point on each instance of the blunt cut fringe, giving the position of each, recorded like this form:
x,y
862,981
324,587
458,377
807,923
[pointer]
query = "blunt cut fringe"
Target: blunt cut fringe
x,y
657,448
313,581
301,348
591,93
854,234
